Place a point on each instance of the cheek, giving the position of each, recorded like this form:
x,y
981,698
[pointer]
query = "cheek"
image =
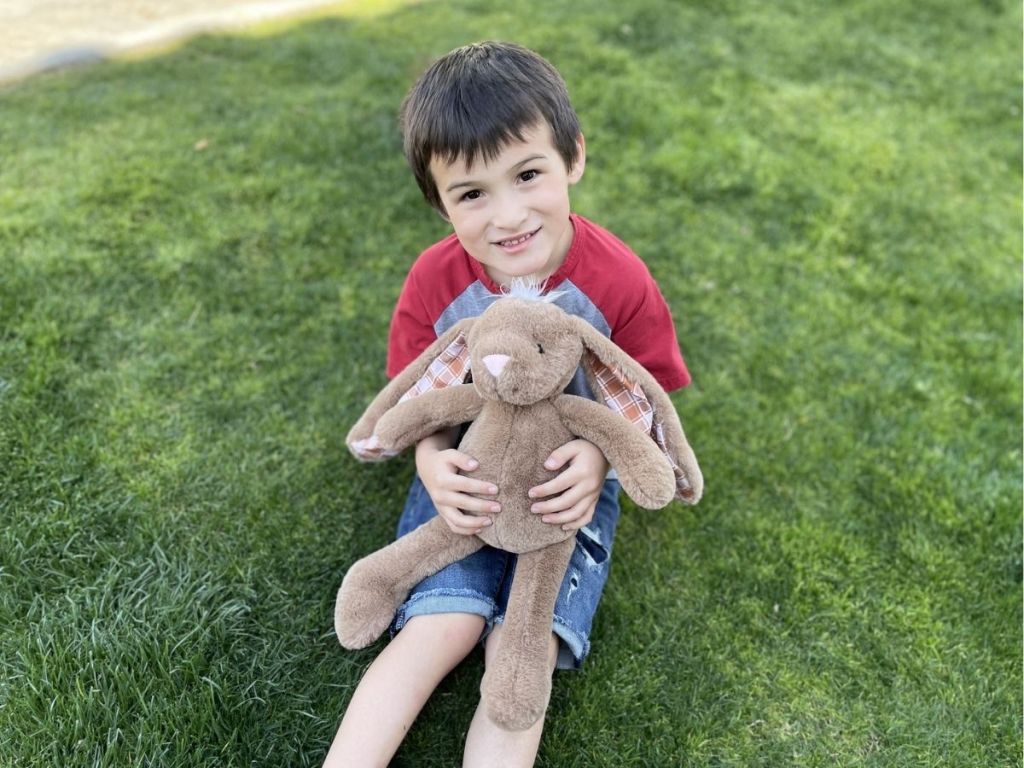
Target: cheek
x,y
552,197
472,233
468,224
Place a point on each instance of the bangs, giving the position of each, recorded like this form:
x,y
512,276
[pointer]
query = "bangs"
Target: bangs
x,y
481,125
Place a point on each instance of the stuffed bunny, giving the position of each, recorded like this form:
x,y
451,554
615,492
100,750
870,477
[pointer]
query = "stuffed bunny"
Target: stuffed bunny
x,y
521,352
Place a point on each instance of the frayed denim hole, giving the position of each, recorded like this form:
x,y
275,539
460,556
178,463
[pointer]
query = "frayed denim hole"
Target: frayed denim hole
x,y
590,540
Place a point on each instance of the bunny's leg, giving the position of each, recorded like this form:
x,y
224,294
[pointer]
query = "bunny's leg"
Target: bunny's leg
x,y
517,686
375,586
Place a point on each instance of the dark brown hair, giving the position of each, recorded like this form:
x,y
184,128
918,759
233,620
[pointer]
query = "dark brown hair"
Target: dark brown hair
x,y
477,99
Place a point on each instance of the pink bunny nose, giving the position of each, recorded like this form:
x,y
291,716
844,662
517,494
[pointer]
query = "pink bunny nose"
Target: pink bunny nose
x,y
496,363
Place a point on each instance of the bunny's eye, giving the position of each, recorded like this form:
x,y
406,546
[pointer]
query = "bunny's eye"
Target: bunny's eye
x,y
540,349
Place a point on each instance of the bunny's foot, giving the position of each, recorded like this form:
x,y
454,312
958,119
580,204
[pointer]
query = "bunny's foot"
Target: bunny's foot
x,y
365,606
375,586
516,698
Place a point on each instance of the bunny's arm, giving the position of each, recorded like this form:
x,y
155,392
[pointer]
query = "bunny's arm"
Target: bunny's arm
x,y
412,420
644,472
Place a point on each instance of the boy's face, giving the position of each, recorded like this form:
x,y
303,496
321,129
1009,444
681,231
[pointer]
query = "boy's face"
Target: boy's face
x,y
512,214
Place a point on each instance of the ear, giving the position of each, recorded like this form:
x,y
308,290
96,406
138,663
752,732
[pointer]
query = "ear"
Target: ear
x,y
443,364
580,162
627,388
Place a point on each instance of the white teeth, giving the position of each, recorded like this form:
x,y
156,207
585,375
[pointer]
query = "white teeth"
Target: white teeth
x,y
517,241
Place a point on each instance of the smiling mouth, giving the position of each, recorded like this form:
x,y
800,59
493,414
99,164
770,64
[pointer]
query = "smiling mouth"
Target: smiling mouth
x,y
513,242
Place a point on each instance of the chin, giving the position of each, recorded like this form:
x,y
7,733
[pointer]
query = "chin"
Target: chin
x,y
527,274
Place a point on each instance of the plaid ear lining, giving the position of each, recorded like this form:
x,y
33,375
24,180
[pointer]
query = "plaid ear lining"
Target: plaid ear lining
x,y
626,398
448,368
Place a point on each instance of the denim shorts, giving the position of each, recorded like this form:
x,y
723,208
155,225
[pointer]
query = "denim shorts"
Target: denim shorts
x,y
480,583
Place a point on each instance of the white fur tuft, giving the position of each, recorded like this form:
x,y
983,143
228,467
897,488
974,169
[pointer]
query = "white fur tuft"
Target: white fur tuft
x,y
528,290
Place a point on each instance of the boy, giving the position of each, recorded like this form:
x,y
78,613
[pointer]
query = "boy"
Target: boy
x,y
495,145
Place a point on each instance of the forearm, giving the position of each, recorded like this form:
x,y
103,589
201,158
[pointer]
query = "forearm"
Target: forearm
x,y
439,441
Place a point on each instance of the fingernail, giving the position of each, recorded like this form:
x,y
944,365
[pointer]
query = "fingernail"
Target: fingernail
x,y
495,507
487,521
492,489
472,463
532,494
549,464
534,509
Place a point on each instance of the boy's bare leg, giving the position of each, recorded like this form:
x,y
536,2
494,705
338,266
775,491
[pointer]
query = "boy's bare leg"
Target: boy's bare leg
x,y
487,745
398,684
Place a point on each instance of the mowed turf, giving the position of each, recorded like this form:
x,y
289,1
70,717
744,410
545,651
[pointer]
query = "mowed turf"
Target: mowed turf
x,y
199,252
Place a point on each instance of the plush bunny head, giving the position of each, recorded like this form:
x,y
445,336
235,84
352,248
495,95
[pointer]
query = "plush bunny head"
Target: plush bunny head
x,y
526,351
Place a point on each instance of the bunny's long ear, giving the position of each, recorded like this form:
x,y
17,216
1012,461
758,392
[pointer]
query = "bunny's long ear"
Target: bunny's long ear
x,y
627,388
443,364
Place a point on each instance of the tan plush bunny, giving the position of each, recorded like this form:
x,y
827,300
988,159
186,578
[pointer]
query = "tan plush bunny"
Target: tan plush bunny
x,y
521,352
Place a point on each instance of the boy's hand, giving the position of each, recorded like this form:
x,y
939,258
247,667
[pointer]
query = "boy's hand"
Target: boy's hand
x,y
453,494
575,491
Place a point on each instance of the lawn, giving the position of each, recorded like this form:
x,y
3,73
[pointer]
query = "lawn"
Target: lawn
x,y
199,251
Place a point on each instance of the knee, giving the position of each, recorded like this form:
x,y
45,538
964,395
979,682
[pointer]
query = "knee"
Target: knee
x,y
457,632
463,630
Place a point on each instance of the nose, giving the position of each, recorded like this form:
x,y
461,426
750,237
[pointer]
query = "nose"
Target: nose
x,y
510,214
496,363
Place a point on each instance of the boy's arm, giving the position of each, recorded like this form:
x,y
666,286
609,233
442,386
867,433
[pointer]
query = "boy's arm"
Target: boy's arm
x,y
438,464
575,491
412,329
647,334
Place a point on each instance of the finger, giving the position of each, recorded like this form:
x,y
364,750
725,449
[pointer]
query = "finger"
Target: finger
x,y
466,463
467,503
560,456
569,513
556,485
466,519
575,525
575,517
462,523
476,487
463,461
560,503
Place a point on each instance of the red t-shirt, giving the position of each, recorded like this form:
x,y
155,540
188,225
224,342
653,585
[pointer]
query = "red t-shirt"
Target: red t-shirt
x,y
601,280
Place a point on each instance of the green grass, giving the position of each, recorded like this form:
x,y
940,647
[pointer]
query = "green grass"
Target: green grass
x,y
198,256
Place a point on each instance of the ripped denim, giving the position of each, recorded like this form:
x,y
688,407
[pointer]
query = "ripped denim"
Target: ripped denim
x,y
480,583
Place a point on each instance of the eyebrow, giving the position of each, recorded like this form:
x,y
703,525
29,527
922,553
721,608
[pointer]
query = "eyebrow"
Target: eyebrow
x,y
471,183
